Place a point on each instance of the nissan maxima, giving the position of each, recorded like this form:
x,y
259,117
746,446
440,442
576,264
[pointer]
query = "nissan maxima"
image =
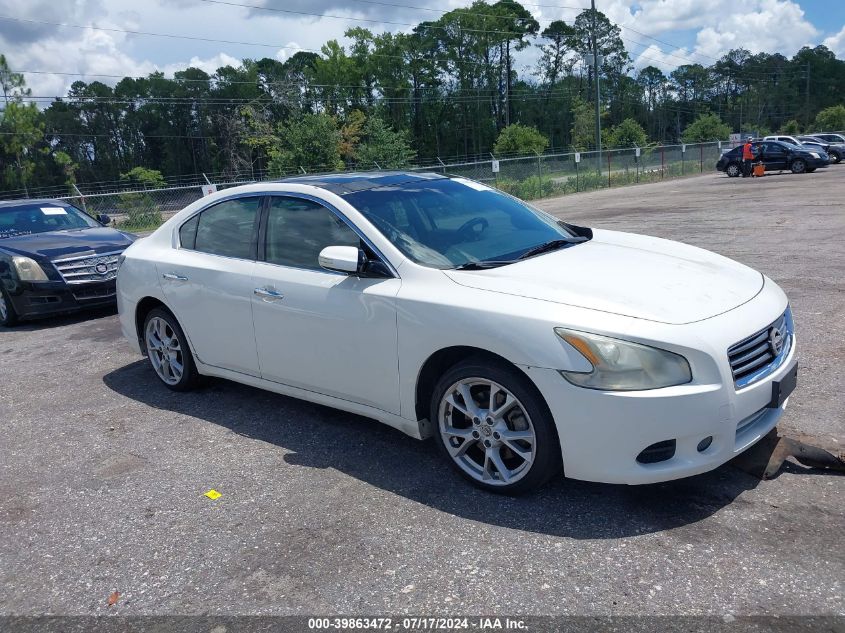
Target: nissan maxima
x,y
524,345
54,259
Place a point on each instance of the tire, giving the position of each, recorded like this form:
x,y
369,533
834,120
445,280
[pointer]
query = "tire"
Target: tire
x,y
475,442
168,351
733,170
835,158
8,315
798,166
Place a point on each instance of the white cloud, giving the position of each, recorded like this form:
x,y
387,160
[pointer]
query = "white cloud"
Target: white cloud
x,y
209,65
757,25
718,25
836,43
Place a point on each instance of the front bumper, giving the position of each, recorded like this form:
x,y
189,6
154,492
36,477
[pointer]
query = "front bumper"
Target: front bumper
x,y
602,433
35,299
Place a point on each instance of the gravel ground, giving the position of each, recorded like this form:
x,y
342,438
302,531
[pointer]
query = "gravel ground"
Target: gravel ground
x,y
102,473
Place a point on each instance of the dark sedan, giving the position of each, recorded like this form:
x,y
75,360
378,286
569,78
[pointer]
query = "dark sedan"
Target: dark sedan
x,y
55,258
775,156
836,150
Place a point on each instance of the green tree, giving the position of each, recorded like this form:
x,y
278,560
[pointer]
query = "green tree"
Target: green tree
x,y
791,127
146,178
520,139
584,126
383,146
629,133
310,141
555,59
22,129
707,127
831,119
13,84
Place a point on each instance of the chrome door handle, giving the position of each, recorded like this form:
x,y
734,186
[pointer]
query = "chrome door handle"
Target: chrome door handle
x,y
174,277
268,295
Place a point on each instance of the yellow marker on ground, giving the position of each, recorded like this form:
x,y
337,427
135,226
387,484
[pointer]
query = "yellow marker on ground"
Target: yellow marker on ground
x,y
213,494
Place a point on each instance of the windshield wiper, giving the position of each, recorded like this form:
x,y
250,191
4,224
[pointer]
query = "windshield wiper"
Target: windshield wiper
x,y
553,245
484,265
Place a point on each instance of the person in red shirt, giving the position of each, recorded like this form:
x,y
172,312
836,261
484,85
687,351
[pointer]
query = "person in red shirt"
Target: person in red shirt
x,y
747,158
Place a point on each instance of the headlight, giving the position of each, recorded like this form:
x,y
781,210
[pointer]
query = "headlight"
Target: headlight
x,y
622,365
28,269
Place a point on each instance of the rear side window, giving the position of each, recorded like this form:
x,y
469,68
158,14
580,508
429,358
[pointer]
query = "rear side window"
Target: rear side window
x,y
227,229
188,233
298,229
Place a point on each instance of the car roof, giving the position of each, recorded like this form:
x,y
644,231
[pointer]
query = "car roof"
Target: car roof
x,y
351,182
5,204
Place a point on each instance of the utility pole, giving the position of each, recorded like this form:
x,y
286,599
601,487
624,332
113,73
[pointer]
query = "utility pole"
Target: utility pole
x,y
598,90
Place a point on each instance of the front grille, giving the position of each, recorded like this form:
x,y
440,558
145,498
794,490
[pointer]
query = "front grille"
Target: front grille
x,y
761,353
95,291
88,268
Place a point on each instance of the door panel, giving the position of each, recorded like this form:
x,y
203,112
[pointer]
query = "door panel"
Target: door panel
x,y
330,333
213,303
774,156
319,330
208,283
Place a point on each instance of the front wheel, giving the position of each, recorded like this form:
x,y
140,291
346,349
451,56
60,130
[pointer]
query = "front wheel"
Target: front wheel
x,y
168,351
8,315
733,170
798,166
835,157
494,427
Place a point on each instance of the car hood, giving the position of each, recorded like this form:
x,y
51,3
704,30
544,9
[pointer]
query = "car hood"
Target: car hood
x,y
60,244
626,274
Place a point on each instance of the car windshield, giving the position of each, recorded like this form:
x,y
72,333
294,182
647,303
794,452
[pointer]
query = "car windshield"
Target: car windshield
x,y
41,217
453,222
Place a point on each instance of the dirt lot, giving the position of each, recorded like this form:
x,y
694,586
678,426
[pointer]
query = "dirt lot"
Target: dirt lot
x,y
102,473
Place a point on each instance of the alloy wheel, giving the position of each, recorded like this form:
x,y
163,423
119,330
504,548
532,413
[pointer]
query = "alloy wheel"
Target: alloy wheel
x,y
732,170
487,431
165,351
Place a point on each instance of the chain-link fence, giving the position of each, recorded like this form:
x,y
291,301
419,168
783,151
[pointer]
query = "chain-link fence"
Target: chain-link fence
x,y
527,177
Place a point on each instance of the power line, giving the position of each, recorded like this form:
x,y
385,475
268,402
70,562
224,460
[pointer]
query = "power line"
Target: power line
x,y
217,41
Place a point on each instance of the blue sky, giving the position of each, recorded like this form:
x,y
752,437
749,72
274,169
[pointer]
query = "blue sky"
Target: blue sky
x,y
687,30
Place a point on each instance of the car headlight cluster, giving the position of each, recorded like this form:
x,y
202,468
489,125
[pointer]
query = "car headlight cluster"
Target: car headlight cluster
x,y
28,269
623,365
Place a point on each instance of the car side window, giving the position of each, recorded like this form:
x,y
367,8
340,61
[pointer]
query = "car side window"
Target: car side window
x,y
298,229
227,228
188,233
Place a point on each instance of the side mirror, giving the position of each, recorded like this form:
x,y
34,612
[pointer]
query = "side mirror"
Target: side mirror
x,y
342,259
104,219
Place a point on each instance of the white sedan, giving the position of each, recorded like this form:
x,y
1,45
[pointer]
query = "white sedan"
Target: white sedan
x,y
442,307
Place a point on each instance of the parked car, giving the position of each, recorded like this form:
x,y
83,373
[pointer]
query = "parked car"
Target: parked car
x,y
810,143
833,139
55,258
443,307
835,150
775,156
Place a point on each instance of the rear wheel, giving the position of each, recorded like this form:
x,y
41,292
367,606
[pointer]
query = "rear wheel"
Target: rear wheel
x,y
494,428
733,170
168,351
8,315
798,166
835,157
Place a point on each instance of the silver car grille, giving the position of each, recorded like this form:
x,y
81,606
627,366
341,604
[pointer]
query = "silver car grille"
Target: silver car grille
x,y
752,357
88,268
